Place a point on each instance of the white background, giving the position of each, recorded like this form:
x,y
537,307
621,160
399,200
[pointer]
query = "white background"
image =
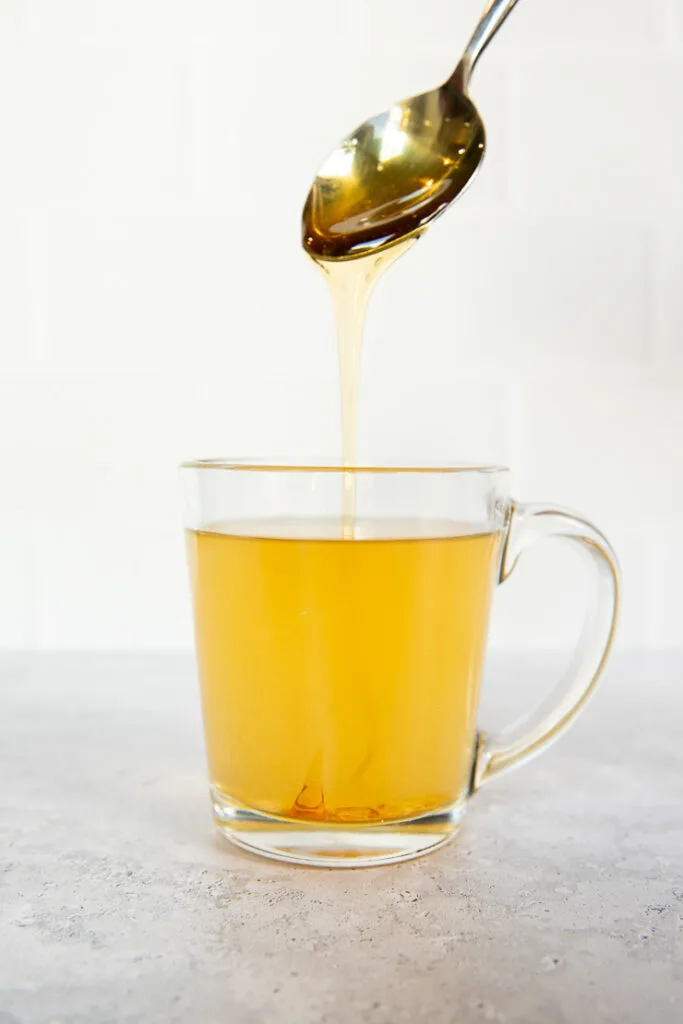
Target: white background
x,y
155,304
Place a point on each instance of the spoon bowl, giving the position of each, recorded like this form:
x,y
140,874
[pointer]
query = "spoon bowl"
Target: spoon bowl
x,y
394,175
400,170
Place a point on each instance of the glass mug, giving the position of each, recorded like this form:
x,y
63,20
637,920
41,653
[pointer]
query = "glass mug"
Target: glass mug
x,y
340,667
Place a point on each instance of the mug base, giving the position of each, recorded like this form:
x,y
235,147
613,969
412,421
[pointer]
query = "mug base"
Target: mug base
x,y
316,844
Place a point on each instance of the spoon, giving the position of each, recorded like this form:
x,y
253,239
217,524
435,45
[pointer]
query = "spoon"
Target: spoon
x,y
400,170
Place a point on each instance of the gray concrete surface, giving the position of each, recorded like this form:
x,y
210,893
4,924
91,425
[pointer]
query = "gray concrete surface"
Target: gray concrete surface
x,y
562,900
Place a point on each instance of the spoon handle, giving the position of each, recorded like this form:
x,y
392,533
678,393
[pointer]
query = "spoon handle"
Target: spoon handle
x,y
491,20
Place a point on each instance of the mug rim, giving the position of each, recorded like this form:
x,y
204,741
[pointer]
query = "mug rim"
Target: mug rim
x,y
275,465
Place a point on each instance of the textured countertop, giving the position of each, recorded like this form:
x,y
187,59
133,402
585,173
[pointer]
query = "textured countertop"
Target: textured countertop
x,y
561,901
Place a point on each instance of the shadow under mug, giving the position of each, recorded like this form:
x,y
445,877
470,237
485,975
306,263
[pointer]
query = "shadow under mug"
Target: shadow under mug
x,y
340,667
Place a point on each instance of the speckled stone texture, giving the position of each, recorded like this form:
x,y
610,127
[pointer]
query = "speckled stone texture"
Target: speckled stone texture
x,y
561,902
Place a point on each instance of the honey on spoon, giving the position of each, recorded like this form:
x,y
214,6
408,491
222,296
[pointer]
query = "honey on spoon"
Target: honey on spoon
x,y
374,196
400,170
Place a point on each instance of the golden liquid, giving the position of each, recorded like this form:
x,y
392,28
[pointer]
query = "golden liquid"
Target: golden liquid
x,y
369,203
340,678
351,283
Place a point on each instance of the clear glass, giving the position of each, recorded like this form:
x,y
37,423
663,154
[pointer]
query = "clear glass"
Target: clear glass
x,y
340,655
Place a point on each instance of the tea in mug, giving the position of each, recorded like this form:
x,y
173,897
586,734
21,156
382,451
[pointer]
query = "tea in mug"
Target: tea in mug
x,y
340,676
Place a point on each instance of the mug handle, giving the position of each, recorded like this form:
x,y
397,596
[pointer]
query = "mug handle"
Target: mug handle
x,y
498,752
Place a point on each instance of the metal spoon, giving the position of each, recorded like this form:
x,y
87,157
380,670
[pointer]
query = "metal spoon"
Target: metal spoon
x,y
401,169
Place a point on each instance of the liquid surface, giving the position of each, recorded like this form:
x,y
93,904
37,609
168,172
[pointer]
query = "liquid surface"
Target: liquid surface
x,y
393,175
340,678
